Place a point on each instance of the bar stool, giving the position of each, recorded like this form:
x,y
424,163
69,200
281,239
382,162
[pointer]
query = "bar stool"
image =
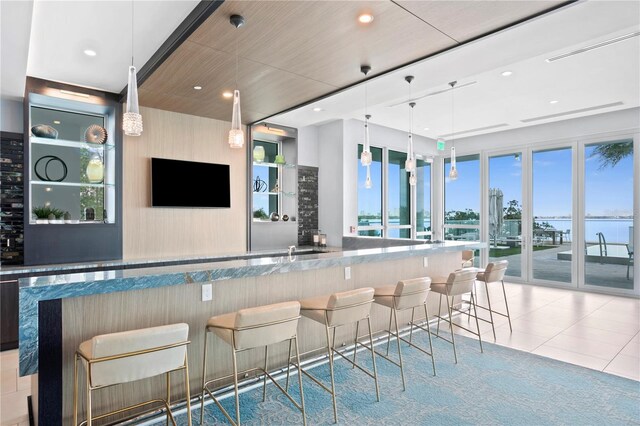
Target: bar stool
x,y
253,328
494,273
117,358
458,283
407,294
338,309
467,258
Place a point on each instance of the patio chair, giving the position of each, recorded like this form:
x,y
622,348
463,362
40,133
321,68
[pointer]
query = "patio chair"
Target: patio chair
x,y
630,261
602,243
567,235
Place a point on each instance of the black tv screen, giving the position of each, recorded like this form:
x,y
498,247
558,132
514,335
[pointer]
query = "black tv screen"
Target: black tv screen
x,y
176,183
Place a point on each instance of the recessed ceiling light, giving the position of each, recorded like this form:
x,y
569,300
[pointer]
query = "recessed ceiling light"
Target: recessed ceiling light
x,y
317,109
197,87
507,73
90,52
426,128
553,102
48,189
365,18
227,94
56,121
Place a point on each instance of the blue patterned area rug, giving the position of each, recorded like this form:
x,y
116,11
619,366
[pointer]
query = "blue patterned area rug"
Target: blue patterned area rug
x,y
501,386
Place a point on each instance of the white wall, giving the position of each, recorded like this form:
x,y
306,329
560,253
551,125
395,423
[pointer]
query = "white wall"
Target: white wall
x,y
308,146
11,114
330,181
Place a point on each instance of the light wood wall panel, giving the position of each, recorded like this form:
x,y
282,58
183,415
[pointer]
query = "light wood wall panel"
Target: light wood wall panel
x,y
166,232
85,317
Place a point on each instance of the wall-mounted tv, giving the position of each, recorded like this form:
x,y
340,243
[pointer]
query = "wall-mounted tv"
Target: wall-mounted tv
x,y
176,183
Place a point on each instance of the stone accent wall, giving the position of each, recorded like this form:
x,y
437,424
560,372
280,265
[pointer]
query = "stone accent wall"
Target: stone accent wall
x,y
307,204
12,199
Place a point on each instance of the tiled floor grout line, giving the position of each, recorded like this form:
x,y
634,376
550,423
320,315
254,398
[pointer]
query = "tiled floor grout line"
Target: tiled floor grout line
x,y
621,349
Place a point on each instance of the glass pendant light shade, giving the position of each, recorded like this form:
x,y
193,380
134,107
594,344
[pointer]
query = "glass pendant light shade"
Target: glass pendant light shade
x,y
365,156
367,182
132,120
236,135
413,179
453,172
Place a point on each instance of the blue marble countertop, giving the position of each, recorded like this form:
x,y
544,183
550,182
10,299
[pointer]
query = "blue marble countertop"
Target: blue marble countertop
x,y
75,284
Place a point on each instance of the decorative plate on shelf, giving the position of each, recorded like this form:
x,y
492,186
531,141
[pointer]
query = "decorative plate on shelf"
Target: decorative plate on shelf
x,y
95,134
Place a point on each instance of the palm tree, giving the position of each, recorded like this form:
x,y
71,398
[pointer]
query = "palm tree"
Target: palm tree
x,y
612,153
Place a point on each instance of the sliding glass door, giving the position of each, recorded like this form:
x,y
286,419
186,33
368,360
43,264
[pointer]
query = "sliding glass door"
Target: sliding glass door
x,y
550,253
608,215
505,219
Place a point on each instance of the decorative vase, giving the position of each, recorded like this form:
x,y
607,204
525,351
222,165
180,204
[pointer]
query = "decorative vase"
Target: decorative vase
x,y
44,131
285,217
275,217
95,170
280,159
258,154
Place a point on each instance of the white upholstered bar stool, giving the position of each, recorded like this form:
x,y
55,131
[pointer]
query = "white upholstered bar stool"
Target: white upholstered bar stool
x,y
118,358
456,284
250,328
407,294
494,273
467,258
348,307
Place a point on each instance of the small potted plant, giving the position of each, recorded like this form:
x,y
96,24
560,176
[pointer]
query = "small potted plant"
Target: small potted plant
x,y
56,216
42,214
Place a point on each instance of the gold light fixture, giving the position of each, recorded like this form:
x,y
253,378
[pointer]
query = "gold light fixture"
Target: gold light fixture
x,y
236,134
132,120
453,171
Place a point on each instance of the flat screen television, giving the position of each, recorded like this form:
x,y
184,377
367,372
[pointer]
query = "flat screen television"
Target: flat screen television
x,y
176,183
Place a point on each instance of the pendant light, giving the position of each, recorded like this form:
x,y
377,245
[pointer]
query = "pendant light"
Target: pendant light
x,y
131,119
453,171
236,134
410,163
366,157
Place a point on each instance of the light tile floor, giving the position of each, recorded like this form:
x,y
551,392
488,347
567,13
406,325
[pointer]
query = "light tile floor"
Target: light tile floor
x,y
592,330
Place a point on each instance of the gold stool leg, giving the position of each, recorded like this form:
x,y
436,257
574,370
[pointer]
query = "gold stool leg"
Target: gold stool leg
x,y
168,396
288,365
304,415
333,384
439,313
453,339
475,311
395,317
389,331
187,386
235,383
355,345
204,377
373,359
88,397
264,383
75,389
506,304
486,289
433,361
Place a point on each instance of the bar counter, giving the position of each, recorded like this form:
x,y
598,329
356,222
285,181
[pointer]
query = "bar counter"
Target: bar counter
x,y
60,310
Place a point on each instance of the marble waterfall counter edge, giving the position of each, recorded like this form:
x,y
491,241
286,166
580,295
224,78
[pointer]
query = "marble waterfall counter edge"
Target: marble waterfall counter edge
x,y
62,286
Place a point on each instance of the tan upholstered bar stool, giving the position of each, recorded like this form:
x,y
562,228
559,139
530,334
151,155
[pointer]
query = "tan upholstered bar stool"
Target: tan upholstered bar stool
x,y
338,309
117,358
407,294
494,273
254,328
456,284
467,258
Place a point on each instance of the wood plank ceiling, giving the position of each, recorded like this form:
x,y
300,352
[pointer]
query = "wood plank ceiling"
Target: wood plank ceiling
x,y
293,51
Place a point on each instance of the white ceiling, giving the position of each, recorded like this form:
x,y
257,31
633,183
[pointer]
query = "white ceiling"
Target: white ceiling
x,y
604,76
15,26
62,30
